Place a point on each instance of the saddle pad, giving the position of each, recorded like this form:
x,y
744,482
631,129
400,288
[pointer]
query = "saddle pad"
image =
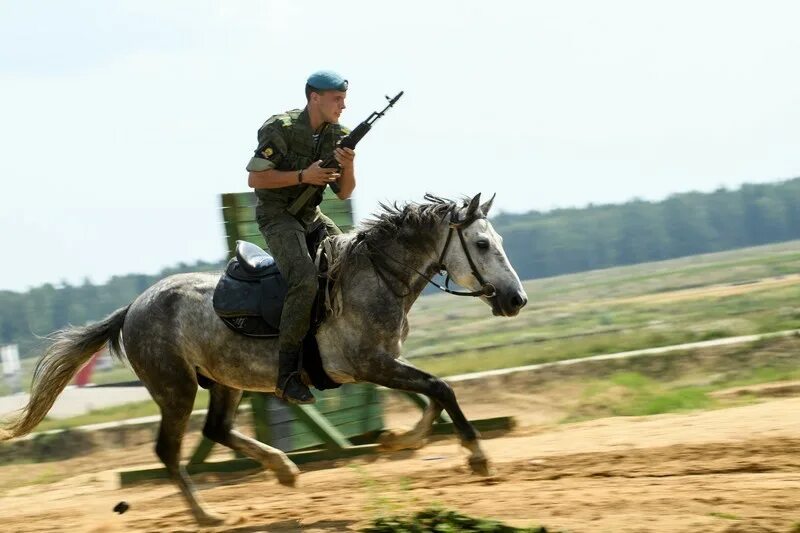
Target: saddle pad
x,y
261,297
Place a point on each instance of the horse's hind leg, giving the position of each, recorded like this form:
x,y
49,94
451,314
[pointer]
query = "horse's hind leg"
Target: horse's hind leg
x,y
219,427
417,436
403,376
175,397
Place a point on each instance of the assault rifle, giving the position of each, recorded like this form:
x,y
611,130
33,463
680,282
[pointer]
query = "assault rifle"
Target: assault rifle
x,y
349,141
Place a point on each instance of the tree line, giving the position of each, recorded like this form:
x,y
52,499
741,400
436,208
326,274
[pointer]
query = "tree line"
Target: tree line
x,y
562,241
539,244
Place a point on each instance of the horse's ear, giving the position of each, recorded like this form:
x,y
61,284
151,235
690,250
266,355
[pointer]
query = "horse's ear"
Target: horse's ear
x,y
473,207
488,205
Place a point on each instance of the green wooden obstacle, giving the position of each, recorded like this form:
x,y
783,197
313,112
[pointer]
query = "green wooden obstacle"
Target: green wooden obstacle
x,y
344,422
238,214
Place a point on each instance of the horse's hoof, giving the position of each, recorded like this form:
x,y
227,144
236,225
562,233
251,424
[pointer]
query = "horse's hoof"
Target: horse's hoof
x,y
480,466
388,441
287,478
286,472
393,441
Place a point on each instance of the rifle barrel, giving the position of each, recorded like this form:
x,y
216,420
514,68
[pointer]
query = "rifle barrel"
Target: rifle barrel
x,y
350,141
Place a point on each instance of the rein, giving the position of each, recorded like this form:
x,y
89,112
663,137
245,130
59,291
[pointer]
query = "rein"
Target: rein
x,y
487,289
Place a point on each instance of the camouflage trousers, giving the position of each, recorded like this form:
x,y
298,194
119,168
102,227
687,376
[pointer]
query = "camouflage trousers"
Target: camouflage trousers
x,y
288,240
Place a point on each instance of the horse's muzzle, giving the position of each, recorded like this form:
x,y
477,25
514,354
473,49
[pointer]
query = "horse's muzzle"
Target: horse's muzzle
x,y
509,303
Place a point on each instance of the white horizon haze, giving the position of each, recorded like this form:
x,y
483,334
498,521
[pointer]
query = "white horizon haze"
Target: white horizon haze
x,y
123,122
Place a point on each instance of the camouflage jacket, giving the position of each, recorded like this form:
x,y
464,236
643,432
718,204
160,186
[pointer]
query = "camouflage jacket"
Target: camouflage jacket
x,y
287,142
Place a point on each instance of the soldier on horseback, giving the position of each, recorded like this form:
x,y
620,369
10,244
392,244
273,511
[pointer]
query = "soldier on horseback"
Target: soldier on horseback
x,y
291,148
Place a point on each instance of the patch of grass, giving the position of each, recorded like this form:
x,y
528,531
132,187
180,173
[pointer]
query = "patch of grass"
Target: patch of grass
x,y
715,334
441,520
675,383
544,352
633,394
631,380
50,475
757,376
726,516
379,502
671,401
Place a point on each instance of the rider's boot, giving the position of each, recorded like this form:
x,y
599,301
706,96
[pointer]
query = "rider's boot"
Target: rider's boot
x,y
290,386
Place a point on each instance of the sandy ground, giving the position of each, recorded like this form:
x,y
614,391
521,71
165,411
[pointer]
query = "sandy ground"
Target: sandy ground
x,y
731,470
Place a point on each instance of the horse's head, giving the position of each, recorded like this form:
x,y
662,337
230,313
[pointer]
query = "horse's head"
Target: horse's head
x,y
474,257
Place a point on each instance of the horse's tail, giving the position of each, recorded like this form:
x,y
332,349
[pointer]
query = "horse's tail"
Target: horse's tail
x,y
70,350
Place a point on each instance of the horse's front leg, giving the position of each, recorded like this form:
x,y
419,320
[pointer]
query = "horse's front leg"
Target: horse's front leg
x,y
401,375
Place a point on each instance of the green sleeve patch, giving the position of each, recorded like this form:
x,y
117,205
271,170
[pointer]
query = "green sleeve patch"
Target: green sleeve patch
x,y
258,164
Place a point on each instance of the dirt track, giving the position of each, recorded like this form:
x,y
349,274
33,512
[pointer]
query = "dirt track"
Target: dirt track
x,y
731,470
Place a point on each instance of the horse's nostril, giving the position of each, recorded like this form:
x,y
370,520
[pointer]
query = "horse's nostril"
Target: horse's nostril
x,y
518,301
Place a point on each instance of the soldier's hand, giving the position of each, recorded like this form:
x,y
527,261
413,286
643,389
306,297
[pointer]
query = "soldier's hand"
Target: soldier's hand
x,y
345,157
316,175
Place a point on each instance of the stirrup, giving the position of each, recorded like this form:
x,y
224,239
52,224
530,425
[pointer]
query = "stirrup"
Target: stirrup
x,y
280,391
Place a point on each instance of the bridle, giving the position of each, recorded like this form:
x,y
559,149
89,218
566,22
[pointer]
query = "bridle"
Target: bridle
x,y
456,226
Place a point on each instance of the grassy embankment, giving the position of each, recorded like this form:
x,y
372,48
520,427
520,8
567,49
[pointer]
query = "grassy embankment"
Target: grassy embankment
x,y
709,379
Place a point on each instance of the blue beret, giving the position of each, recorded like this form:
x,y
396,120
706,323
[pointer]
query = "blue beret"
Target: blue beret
x,y
327,80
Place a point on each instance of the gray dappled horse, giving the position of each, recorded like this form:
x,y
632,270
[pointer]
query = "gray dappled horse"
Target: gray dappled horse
x,y
171,333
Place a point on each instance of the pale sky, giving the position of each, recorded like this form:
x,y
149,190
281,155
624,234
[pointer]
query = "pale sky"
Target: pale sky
x,y
122,122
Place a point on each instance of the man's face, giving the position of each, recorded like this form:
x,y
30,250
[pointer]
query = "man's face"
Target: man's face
x,y
330,104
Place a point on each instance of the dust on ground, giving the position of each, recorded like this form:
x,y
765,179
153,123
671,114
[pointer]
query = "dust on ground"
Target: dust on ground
x,y
729,470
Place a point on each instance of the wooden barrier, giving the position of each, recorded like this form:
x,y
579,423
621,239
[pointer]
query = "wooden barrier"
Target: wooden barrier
x,y
238,213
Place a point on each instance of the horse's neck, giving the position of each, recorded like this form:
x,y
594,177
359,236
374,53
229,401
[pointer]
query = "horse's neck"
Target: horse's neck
x,y
416,283
366,285
405,278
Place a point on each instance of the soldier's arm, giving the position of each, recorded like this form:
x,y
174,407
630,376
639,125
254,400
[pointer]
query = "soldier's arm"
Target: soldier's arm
x,y
270,152
272,179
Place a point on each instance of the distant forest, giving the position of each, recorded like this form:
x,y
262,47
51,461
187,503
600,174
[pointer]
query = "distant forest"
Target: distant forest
x,y
600,236
539,244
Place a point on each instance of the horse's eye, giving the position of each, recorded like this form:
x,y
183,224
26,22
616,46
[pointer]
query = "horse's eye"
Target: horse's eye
x,y
483,244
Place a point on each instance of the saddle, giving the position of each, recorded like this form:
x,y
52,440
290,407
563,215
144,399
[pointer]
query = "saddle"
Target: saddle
x,y
250,294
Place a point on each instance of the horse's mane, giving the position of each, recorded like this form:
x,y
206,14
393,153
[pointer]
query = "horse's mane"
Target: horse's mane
x,y
407,223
